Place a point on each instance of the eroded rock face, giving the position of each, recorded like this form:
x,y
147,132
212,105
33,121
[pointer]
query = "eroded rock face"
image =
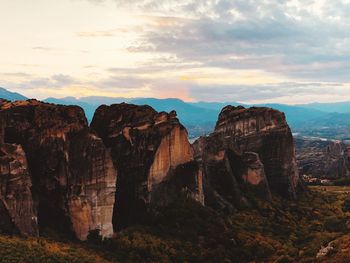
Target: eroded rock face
x,y
265,132
148,150
17,212
72,173
323,159
250,147
92,185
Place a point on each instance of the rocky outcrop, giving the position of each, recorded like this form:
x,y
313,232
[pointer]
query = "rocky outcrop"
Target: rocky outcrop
x,y
249,148
17,212
72,173
323,159
151,153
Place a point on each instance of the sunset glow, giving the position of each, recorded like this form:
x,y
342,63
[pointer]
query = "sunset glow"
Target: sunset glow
x,y
177,49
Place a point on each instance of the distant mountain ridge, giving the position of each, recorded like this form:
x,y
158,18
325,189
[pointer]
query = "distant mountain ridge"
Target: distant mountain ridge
x,y
314,119
8,95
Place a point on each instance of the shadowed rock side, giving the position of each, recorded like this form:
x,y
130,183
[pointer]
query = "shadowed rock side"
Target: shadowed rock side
x,y
150,150
323,159
17,215
73,179
248,148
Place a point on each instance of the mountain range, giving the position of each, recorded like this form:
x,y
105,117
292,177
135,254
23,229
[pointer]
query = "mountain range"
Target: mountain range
x,y
8,95
314,119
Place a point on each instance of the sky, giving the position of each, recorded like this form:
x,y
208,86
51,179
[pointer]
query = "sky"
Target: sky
x,y
252,51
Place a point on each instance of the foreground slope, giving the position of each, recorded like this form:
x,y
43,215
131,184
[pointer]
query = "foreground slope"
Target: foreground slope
x,y
278,230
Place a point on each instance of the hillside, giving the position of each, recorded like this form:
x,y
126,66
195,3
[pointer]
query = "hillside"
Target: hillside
x,y
277,231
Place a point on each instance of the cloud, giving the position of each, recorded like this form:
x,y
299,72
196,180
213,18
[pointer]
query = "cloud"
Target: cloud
x,y
301,39
42,48
247,50
100,33
121,83
15,74
284,92
54,81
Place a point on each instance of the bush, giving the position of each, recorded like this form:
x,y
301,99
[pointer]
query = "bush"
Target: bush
x,y
342,181
334,224
346,205
94,236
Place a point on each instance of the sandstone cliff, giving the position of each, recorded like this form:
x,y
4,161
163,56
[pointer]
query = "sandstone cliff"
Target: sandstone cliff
x,y
151,153
73,179
249,148
57,173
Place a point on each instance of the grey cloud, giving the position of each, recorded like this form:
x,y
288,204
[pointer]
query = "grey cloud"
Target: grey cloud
x,y
121,83
262,92
55,81
15,74
301,43
100,33
271,35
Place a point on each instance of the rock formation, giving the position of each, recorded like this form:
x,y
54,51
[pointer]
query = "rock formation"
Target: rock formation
x,y
323,159
17,214
57,173
73,179
152,155
249,148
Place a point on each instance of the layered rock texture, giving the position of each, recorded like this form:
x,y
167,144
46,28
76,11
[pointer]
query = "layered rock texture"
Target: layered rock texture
x,y
71,172
323,159
249,148
153,157
17,214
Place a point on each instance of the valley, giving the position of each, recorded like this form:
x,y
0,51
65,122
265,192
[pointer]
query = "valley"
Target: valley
x,y
131,187
177,131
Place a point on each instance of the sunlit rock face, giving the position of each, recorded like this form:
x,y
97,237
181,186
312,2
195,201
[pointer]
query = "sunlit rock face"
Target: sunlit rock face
x,y
72,173
17,214
250,147
92,186
151,152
